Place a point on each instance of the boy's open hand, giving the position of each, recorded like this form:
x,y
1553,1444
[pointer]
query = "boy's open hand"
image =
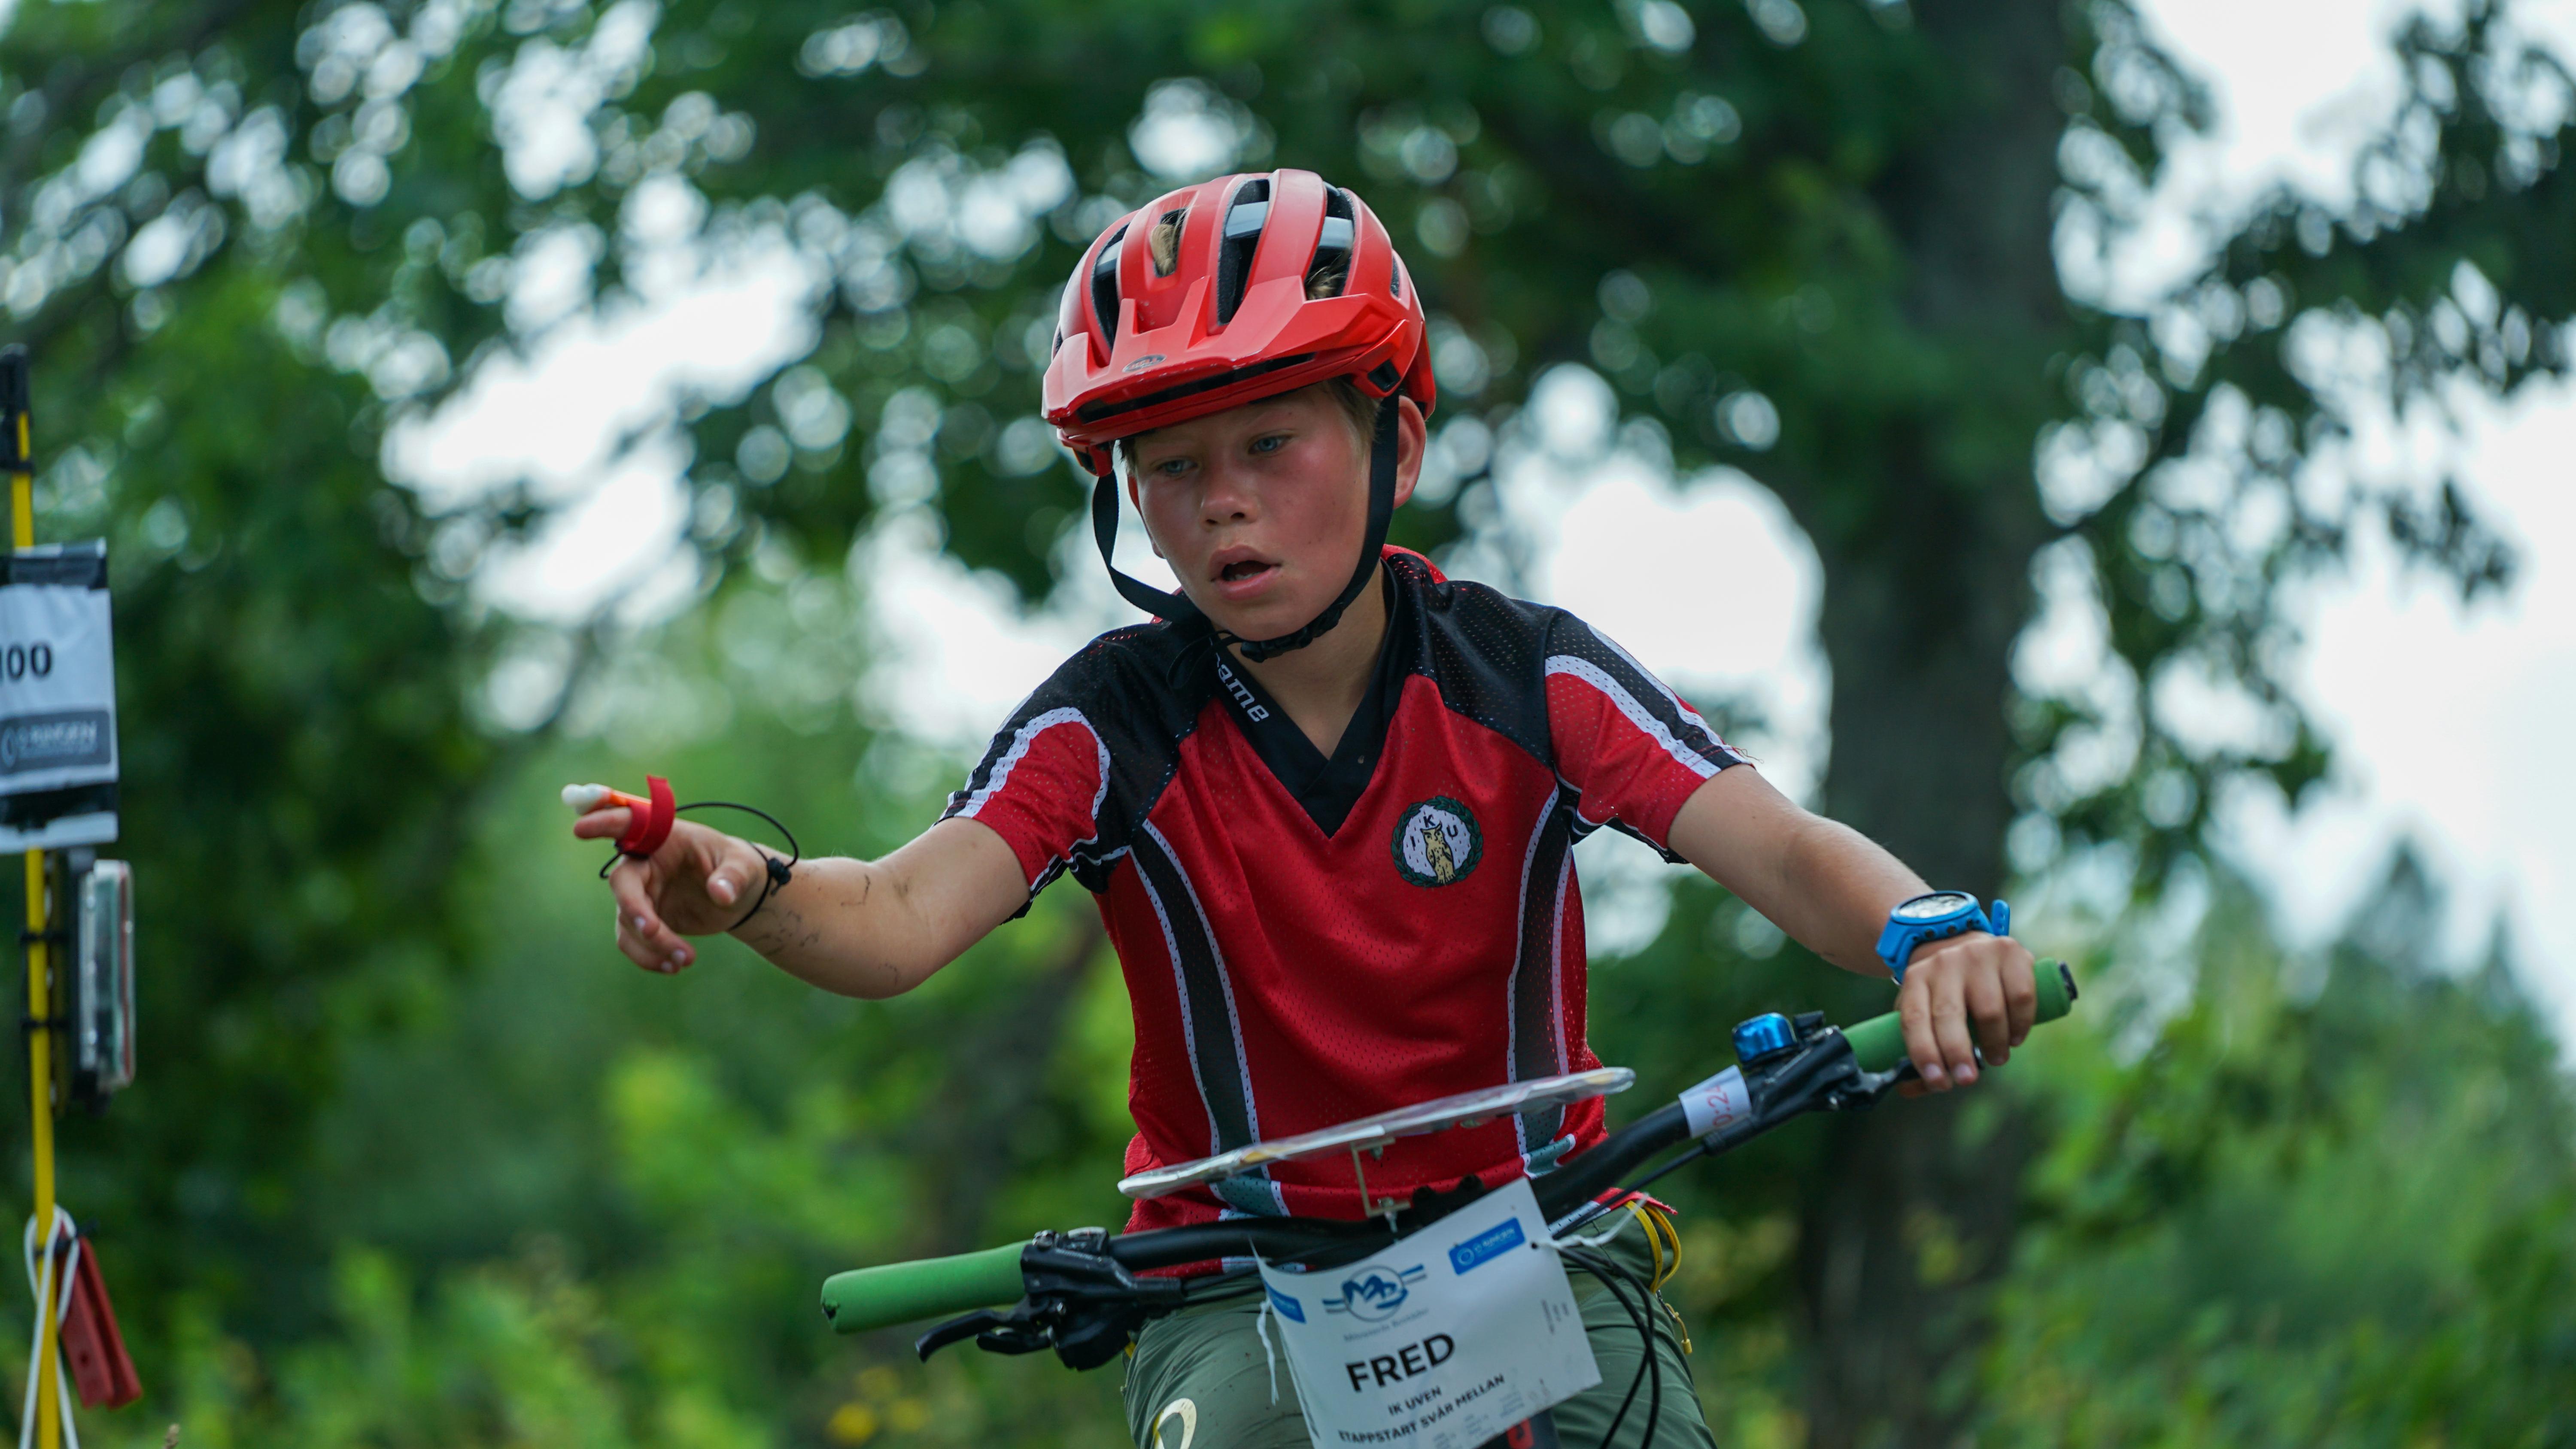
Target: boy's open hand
x,y
695,885
1961,994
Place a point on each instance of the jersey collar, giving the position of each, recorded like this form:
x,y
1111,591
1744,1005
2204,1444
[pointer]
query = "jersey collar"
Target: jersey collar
x,y
1327,789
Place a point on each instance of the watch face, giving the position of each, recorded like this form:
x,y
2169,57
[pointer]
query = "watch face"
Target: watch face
x,y
1934,906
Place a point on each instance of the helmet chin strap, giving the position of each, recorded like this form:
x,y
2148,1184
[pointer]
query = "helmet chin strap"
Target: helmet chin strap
x,y
1179,609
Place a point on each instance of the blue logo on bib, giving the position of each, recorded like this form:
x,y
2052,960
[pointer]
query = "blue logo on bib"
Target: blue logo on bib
x,y
1486,1246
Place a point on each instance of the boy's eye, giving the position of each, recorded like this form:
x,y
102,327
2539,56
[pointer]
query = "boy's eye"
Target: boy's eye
x,y
1270,444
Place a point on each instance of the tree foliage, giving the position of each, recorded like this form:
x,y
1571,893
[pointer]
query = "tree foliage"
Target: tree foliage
x,y
257,247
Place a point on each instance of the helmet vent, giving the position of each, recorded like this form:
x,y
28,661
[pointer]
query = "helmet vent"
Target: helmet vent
x,y
1104,288
1245,216
1329,274
1165,241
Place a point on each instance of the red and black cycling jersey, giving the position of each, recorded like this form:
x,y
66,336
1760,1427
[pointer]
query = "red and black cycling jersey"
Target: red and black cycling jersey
x,y
1308,939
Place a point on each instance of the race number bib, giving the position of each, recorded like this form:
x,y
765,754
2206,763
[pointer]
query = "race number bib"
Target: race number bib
x,y
1442,1341
57,699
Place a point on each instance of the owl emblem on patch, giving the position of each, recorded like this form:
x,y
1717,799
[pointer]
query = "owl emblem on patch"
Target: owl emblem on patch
x,y
1437,842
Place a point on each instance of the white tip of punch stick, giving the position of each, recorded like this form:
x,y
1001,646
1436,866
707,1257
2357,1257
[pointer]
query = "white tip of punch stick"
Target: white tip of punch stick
x,y
584,798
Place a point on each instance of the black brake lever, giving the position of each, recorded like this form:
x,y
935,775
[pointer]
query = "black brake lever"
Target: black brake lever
x,y
1081,1303
957,1330
1015,1338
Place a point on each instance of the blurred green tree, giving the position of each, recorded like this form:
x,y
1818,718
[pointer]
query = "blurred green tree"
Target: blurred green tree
x,y
252,242
2326,1202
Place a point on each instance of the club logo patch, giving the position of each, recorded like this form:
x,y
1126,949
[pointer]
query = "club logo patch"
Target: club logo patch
x,y
1437,842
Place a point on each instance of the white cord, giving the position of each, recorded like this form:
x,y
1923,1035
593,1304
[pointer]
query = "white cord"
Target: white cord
x,y
40,1282
1261,1330
1605,1235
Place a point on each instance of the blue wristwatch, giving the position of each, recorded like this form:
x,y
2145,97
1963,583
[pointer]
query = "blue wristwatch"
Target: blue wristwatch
x,y
1935,917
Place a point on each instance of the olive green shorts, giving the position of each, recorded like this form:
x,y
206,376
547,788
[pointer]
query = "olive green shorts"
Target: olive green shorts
x,y
1200,1380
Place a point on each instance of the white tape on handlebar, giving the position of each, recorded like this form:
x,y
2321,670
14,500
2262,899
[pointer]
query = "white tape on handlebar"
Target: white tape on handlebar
x,y
1718,1103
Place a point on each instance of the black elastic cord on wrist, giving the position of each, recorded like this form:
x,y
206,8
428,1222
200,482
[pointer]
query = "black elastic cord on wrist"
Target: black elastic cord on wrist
x,y
776,872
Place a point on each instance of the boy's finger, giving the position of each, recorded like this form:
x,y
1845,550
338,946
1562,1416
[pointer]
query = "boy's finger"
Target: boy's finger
x,y
2021,994
1987,1020
607,824
635,950
1914,1013
634,903
652,957
1950,1026
725,876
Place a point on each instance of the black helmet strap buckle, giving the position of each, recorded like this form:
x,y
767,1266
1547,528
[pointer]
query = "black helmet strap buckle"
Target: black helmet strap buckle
x,y
1178,608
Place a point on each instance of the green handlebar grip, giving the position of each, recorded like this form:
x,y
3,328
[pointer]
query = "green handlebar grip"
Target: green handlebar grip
x,y
1879,1043
870,1298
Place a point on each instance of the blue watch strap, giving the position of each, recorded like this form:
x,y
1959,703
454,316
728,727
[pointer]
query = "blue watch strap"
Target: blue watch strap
x,y
1898,939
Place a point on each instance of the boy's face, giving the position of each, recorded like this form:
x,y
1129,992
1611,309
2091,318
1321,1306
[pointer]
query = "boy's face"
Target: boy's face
x,y
1261,509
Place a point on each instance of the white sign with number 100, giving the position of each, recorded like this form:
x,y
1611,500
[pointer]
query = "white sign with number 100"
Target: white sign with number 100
x,y
57,699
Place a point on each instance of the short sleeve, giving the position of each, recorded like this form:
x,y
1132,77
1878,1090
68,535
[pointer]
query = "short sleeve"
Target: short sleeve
x,y
1041,784
1623,739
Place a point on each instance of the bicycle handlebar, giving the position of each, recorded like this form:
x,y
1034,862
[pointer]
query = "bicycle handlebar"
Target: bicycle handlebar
x,y
881,1297
865,1299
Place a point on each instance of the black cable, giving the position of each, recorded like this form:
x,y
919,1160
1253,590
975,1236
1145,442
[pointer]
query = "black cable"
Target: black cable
x,y
1650,1374
1636,1380
1694,1155
1647,1302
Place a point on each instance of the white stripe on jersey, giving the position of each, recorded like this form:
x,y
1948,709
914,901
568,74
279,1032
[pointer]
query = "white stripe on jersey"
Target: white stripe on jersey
x,y
1020,744
1648,675
1647,725
1189,1032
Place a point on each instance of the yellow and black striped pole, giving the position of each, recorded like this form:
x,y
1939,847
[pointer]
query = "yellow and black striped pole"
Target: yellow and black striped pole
x,y
40,1034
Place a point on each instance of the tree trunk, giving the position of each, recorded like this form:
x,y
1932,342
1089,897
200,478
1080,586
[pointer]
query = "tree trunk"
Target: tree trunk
x,y
1922,604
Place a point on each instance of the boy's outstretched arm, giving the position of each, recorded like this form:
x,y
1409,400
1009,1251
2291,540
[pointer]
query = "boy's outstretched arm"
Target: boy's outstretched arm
x,y
858,927
1832,887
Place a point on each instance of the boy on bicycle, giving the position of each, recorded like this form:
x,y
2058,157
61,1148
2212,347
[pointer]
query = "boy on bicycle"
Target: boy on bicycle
x,y
1327,799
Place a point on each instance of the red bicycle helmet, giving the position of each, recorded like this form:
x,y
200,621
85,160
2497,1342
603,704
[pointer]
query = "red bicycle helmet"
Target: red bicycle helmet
x,y
1223,318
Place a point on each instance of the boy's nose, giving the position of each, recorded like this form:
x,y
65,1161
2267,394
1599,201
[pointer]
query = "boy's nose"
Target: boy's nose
x,y
1225,500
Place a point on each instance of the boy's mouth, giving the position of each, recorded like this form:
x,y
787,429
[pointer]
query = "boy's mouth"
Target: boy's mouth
x,y
1239,568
